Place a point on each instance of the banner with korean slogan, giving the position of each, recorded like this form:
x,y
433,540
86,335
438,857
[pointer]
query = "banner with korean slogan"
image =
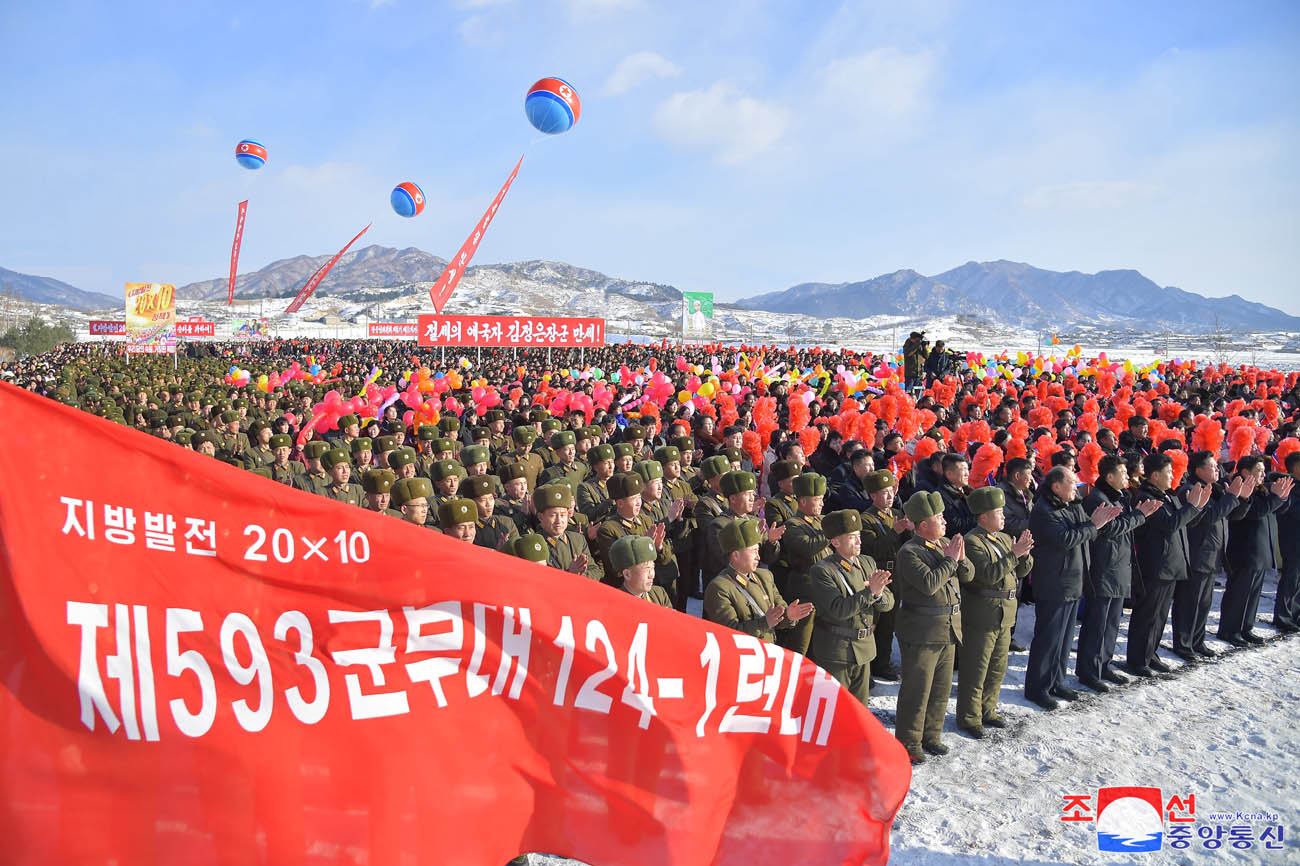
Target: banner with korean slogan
x,y
697,315
150,318
198,665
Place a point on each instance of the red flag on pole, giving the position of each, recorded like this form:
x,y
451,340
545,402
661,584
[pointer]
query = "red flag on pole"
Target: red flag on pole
x,y
441,290
234,251
296,304
218,668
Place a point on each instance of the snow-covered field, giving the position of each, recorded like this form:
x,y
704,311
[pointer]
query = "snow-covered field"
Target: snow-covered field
x,y
1222,730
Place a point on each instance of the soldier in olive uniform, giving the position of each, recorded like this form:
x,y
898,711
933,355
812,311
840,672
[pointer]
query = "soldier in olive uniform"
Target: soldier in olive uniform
x,y
626,519
523,438
424,439
566,465
340,487
884,530
988,610
803,546
446,484
514,502
458,518
476,459
593,494
315,479
678,489
230,439
363,453
685,446
282,468
411,497
848,592
633,559
378,487
403,462
660,510
259,454
740,488
492,530
568,549
926,582
624,457
546,451
496,424
349,429
743,596
782,504
532,547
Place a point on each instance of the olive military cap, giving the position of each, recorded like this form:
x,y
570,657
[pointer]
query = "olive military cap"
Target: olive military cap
x,y
494,415
560,438
624,449
550,425
444,443
986,499
511,471
378,481
385,443
734,455
810,484
881,479
600,452
625,484
479,432
738,481
668,453
281,440
531,547
316,448
715,466
843,522
631,550
649,470
475,454
537,413
362,443
442,469
455,511
427,433
228,416
346,421
739,534
633,431
523,435
184,437
448,423
399,457
783,469
587,433
923,505
410,488
552,496
480,485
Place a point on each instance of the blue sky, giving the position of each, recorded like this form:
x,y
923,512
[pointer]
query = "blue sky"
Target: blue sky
x,y
737,147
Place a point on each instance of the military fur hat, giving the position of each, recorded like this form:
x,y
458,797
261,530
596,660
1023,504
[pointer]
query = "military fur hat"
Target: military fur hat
x,y
633,431
241,403
378,481
281,440
783,469
229,415
587,433
552,496
334,457
315,449
624,449
448,423
525,435
399,457
443,468
494,415
475,454
254,428
443,443
347,421
531,547
922,505
739,534
362,443
600,452
738,481
649,470
625,484
184,437
388,443
410,488
734,455
537,413
630,551
480,485
427,433
843,522
715,466
479,432
550,425
394,427
560,438
881,479
685,443
666,454
511,471
986,499
810,484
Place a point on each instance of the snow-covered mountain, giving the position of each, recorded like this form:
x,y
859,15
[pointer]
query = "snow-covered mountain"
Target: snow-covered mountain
x,y
47,290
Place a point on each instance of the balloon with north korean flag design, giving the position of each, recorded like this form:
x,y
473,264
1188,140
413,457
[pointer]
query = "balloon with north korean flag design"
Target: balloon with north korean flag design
x,y
552,106
250,154
407,199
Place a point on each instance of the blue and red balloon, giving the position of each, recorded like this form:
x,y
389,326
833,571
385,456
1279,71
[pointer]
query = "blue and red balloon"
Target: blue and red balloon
x,y
407,199
250,153
552,106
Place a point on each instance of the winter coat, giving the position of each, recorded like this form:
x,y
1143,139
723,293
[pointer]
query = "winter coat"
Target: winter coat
x,y
1162,548
1061,534
1110,572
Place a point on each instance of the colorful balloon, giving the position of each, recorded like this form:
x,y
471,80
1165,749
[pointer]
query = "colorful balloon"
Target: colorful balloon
x,y
552,106
250,153
407,199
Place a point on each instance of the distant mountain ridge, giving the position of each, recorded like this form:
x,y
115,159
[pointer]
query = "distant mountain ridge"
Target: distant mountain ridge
x,y
1020,294
47,290
368,267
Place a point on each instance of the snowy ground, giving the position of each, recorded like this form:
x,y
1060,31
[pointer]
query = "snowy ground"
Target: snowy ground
x,y
1223,730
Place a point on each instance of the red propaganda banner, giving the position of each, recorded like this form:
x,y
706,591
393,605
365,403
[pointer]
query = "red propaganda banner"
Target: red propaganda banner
x,y
296,304
510,331
217,668
393,329
195,328
234,251
100,328
441,290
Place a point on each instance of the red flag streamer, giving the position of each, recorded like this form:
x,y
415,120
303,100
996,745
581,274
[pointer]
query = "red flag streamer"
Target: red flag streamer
x,y
451,275
217,668
320,275
234,251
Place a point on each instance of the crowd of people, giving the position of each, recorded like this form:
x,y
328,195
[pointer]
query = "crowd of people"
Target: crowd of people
x,y
805,495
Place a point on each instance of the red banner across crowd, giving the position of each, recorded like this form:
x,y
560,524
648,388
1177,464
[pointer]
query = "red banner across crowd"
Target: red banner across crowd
x,y
511,331
234,251
198,665
296,304
446,283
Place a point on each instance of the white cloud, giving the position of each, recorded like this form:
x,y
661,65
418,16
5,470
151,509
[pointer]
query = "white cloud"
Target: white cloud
x,y
1088,195
636,69
723,119
883,81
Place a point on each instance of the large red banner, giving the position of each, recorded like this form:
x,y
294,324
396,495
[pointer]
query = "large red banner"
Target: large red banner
x,y
195,328
102,328
234,251
392,329
446,283
511,331
296,304
198,665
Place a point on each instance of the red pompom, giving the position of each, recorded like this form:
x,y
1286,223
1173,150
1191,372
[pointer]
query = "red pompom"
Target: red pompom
x,y
987,460
1180,464
1089,458
1241,441
1287,446
809,439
